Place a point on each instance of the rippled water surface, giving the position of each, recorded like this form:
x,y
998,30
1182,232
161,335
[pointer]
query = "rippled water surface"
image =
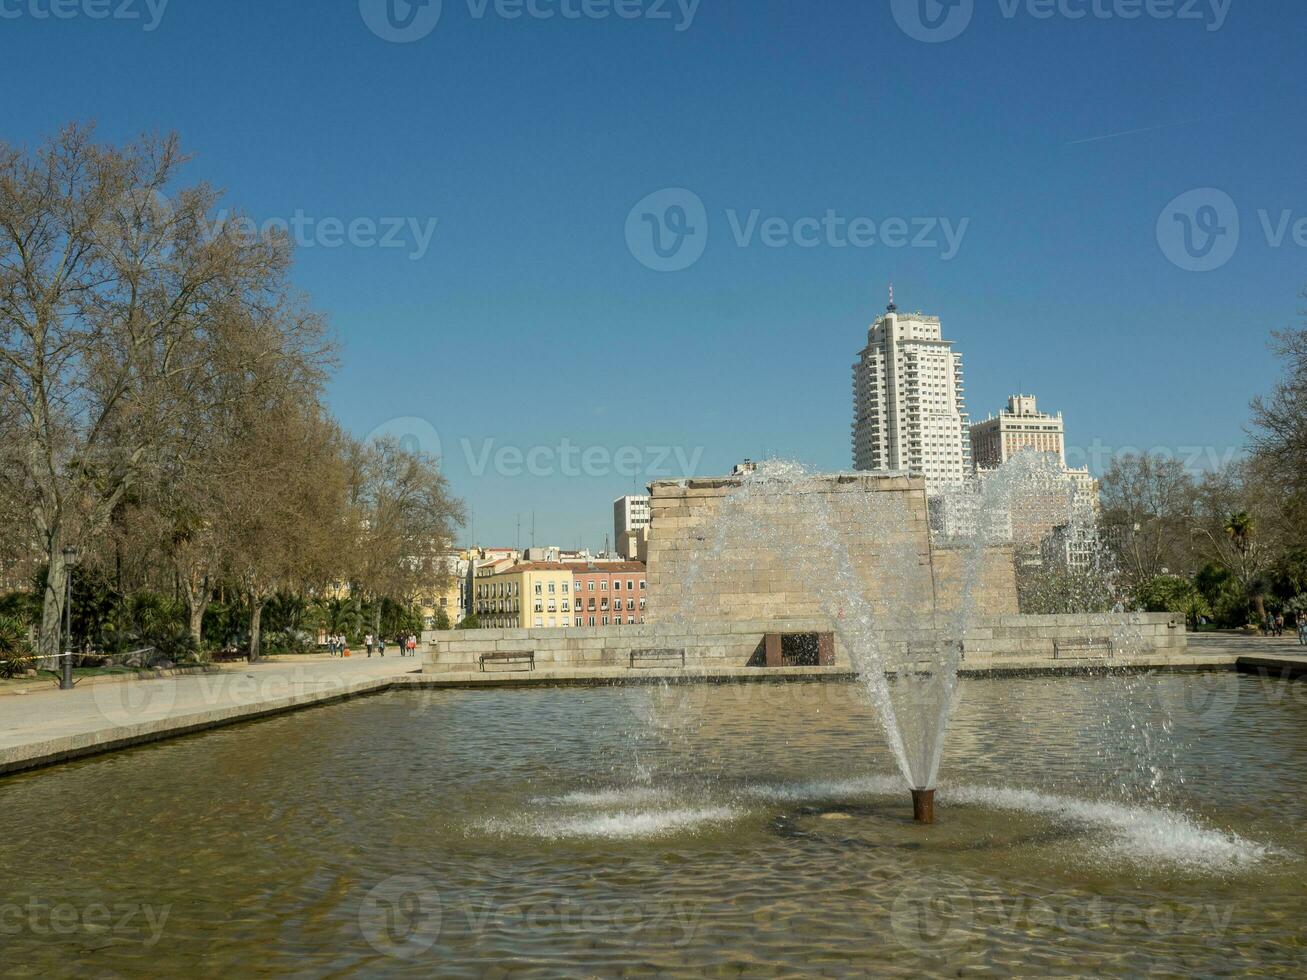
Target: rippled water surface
x,y
1108,826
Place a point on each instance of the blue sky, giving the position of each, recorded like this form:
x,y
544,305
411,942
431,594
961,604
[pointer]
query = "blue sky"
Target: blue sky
x,y
527,319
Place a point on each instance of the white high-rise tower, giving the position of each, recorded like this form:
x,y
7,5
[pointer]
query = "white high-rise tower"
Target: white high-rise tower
x,y
909,410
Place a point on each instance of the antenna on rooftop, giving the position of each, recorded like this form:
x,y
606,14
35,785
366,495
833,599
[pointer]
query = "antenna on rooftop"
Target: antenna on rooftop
x,y
891,308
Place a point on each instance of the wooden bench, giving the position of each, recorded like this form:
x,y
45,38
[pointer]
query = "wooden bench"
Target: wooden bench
x,y
509,658
1083,648
925,657
643,656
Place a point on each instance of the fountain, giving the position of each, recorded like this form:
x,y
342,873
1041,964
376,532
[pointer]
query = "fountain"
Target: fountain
x,y
900,582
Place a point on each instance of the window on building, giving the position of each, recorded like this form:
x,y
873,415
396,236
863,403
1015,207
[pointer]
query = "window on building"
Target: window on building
x,y
617,585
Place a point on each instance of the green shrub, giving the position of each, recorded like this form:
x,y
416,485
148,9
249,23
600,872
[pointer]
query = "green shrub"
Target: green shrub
x,y
15,653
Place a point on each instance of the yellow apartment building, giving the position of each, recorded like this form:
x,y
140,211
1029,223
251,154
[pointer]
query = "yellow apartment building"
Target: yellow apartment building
x,y
523,595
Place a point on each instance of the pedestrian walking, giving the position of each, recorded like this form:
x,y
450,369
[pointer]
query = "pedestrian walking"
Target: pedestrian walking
x,y
381,645
1302,630
412,645
368,642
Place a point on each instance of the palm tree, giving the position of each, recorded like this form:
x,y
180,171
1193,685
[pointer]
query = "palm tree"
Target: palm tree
x,y
343,616
1246,561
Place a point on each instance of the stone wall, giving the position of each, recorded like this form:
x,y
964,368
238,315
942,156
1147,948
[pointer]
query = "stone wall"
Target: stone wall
x,y
991,641
720,550
992,584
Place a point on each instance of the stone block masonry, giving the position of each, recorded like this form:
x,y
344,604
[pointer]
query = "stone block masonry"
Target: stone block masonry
x,y
719,551
1006,641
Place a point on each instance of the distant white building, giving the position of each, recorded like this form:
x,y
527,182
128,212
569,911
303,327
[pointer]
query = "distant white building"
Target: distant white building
x,y
909,409
630,518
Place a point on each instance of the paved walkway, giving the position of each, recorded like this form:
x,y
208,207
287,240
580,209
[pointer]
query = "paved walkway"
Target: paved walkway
x,y
1246,646
50,725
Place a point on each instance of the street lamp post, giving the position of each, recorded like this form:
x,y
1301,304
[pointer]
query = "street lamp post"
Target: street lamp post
x,y
66,676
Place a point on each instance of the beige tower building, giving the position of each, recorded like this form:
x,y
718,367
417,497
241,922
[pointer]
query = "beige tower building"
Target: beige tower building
x,y
909,411
1020,426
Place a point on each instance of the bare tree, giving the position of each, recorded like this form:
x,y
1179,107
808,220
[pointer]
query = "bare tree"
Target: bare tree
x,y
1148,512
115,306
405,518
1280,421
283,521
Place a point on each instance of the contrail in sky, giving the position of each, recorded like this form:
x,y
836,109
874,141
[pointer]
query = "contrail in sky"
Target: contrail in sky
x,y
1134,132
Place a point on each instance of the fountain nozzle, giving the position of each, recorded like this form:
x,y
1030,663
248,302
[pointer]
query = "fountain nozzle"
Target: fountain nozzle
x,y
923,805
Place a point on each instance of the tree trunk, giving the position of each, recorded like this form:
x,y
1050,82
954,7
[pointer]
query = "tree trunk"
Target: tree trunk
x,y
197,607
197,600
1259,604
52,604
256,629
